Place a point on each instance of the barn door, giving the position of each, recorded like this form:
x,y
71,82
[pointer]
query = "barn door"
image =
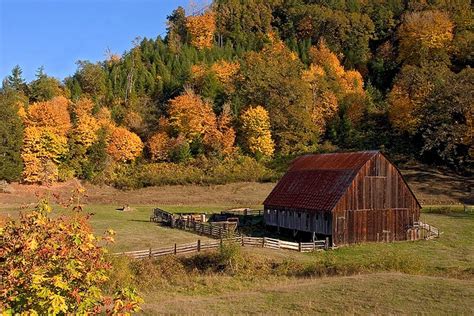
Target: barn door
x,y
340,230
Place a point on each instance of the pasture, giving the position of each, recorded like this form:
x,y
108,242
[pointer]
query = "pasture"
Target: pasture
x,y
402,277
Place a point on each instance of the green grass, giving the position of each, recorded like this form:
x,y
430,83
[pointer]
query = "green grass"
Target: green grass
x,y
134,231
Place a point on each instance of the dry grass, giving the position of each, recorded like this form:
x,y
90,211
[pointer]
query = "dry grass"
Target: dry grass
x,y
384,293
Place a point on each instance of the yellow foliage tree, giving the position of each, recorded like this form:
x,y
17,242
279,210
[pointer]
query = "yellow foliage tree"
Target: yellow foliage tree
x,y
402,111
424,35
42,151
53,114
201,29
256,131
124,145
86,126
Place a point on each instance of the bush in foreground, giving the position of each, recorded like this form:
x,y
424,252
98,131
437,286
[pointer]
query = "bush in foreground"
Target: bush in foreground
x,y
56,266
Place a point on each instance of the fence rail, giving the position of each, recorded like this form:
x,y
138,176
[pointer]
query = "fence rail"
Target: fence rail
x,y
260,242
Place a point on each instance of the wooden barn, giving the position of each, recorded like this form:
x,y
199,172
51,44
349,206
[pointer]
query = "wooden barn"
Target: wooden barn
x,y
348,197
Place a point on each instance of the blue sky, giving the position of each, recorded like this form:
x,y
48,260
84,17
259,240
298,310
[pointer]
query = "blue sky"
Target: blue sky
x,y
57,33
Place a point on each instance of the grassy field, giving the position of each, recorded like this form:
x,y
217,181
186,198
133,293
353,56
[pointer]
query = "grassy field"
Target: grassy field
x,y
435,276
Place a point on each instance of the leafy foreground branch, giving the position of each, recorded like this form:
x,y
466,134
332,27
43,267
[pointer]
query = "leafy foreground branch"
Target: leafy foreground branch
x,y
55,265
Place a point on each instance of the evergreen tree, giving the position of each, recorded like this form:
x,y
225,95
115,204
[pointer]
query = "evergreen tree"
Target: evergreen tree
x,y
44,88
15,81
11,137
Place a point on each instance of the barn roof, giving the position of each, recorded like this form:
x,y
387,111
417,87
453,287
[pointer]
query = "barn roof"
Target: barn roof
x,y
317,182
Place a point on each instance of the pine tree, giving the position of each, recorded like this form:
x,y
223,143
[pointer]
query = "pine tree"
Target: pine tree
x,y
15,81
11,136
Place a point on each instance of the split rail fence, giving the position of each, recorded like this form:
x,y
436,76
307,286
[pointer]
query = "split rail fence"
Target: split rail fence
x,y
260,242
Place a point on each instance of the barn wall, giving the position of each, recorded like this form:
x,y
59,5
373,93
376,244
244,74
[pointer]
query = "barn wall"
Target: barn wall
x,y
377,206
318,222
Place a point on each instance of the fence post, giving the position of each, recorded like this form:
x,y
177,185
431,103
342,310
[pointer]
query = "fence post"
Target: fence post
x,y
149,253
175,249
263,242
242,241
299,246
199,245
326,243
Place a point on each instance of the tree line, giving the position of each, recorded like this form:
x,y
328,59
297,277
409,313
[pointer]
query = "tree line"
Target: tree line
x,y
267,80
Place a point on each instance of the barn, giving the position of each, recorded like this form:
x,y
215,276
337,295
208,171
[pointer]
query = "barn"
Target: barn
x,y
349,197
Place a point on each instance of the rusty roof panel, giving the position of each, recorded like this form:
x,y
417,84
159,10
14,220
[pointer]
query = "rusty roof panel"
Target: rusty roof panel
x,y
317,182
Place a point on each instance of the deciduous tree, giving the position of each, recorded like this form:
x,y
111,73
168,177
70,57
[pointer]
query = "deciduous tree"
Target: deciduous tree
x,y
201,29
124,145
256,132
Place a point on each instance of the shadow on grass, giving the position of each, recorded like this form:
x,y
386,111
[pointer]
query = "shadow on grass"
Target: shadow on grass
x,y
139,220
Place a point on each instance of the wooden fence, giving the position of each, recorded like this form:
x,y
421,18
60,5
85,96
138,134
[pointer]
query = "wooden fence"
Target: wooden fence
x,y
261,242
207,229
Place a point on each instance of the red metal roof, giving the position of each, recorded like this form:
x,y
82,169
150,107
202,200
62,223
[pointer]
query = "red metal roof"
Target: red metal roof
x,y
317,182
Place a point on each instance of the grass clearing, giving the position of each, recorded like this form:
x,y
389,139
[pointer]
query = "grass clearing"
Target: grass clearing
x,y
402,277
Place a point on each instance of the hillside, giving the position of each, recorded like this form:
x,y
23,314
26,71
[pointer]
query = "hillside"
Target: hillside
x,y
237,88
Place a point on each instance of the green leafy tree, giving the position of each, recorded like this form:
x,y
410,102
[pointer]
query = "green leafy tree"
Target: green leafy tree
x,y
273,79
92,79
11,136
44,88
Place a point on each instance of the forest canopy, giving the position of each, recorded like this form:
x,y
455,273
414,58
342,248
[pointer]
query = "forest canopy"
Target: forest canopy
x,y
250,84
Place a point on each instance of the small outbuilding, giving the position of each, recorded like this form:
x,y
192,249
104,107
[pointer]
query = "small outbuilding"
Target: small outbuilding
x,y
349,197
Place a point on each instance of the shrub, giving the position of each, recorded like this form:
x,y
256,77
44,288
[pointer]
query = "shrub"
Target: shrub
x,y
198,171
56,266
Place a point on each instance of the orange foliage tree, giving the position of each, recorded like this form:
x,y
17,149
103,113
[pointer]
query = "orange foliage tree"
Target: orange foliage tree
x,y
333,86
159,146
191,117
53,114
124,145
226,72
201,29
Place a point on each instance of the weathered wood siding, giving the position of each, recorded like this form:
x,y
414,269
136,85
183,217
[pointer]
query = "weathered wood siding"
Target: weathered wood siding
x,y
377,206
307,221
